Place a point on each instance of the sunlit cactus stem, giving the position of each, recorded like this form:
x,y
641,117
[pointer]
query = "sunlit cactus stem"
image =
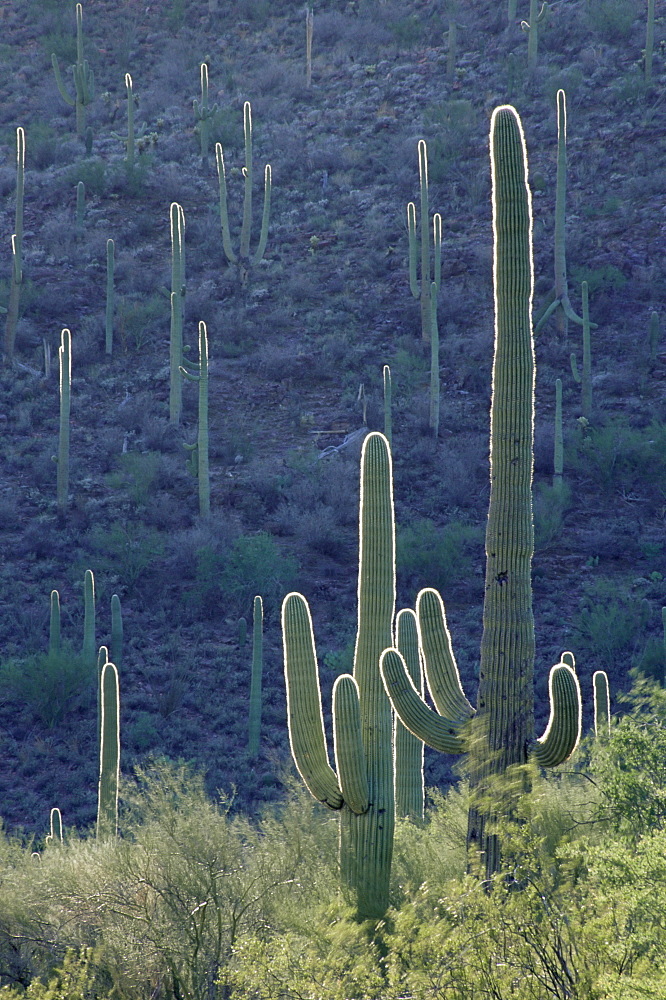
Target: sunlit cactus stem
x,y
200,466
388,417
558,448
409,783
109,754
110,295
254,727
89,644
54,624
601,703
54,837
177,301
62,460
17,250
84,78
420,287
130,139
203,113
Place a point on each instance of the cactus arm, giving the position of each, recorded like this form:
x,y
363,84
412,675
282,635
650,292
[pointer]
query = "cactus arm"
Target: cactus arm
x,y
263,234
441,669
601,703
224,213
109,755
562,733
54,623
62,474
247,174
254,724
439,733
304,711
411,229
59,81
348,744
408,752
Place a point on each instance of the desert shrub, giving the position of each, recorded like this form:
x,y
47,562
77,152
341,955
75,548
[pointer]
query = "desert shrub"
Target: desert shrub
x,y
612,19
126,551
429,556
609,624
50,685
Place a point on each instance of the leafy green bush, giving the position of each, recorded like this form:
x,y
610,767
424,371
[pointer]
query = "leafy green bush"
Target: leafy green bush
x,y
428,556
612,19
49,684
609,625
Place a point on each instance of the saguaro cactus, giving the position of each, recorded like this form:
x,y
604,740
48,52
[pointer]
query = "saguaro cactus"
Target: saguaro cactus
x,y
54,624
500,734
109,754
199,459
362,788
558,446
62,459
243,258
84,78
110,296
254,726
584,378
177,300
55,823
203,113
408,749
17,250
89,644
116,632
601,703
537,18
131,136
422,289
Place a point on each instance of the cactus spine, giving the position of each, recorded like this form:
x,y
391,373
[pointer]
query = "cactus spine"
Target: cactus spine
x,y
109,754
584,378
62,460
409,786
199,459
17,250
362,788
203,113
110,295
254,726
116,632
501,732
84,78
422,290
177,221
601,703
243,259
54,624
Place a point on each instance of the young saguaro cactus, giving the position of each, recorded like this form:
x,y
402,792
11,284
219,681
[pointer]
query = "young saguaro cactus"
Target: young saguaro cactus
x,y
54,624
500,733
361,787
55,823
203,113
17,250
110,296
602,716
423,289
89,616
132,136
243,258
199,460
62,458
109,754
84,78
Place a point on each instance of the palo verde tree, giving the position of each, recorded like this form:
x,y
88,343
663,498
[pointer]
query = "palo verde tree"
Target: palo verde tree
x,y
499,735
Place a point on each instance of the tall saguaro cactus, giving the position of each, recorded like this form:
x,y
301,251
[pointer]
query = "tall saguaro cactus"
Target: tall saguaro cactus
x,y
109,754
199,460
500,733
177,300
84,79
203,113
89,616
17,250
62,459
361,787
243,258
110,296
422,288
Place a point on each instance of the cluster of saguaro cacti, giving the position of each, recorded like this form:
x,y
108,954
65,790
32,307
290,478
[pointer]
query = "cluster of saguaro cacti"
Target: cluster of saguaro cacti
x,y
244,259
17,250
203,113
361,787
500,733
198,462
84,78
254,722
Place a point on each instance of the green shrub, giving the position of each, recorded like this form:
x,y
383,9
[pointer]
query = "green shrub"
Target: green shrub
x,y
609,626
50,684
254,566
612,19
126,550
137,474
428,556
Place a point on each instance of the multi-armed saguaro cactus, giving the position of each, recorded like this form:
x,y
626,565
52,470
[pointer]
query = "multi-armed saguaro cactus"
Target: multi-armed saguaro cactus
x,y
362,785
109,754
254,725
500,733
423,289
177,299
198,463
62,458
243,258
203,113
17,250
584,378
84,78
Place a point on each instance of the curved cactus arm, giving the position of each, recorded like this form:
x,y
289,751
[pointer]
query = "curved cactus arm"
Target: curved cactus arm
x,y
304,712
59,81
564,726
601,703
439,733
263,235
440,664
408,749
348,744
